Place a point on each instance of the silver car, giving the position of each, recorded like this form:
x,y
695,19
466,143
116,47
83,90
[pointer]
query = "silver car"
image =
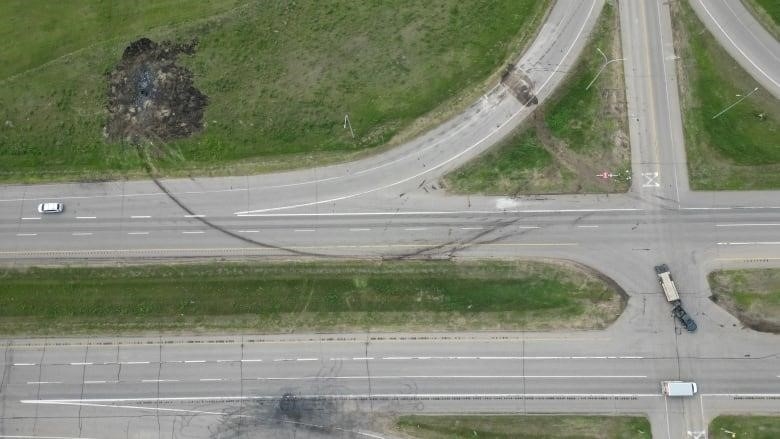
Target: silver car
x,y
51,208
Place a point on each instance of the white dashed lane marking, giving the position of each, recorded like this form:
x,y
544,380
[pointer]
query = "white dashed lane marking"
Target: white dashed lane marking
x,y
415,229
359,230
86,217
196,232
303,230
137,233
31,218
388,358
140,216
748,225
81,233
247,231
26,234
587,227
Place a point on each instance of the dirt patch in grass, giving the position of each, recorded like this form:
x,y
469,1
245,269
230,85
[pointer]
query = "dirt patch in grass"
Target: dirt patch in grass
x,y
740,148
753,296
150,97
307,296
523,427
579,133
745,427
280,77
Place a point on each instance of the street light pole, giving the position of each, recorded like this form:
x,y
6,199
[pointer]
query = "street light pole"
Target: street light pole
x,y
735,103
606,63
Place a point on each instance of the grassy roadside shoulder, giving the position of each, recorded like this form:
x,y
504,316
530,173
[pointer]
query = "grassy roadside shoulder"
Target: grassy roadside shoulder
x,y
578,133
740,148
307,296
523,427
767,12
280,77
753,296
745,427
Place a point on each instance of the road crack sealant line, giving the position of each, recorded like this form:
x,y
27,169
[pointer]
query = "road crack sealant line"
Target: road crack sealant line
x,y
456,245
208,223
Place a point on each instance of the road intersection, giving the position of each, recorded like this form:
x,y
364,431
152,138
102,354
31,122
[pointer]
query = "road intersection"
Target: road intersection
x,y
392,206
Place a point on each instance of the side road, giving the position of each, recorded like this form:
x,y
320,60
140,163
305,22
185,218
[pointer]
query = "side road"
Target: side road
x,y
755,49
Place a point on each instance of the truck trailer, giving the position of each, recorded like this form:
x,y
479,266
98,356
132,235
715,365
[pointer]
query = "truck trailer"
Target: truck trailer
x,y
678,388
667,283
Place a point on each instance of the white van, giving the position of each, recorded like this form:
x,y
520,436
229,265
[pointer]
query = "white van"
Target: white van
x,y
678,388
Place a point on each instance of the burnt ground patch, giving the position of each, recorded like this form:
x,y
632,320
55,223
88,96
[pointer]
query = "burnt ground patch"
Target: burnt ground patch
x,y
150,97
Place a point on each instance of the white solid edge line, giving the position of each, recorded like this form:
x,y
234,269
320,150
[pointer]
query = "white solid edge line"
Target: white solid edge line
x,y
402,377
751,243
434,212
564,58
338,396
735,45
747,225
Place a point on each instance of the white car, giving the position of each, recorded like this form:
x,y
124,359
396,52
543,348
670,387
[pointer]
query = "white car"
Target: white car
x,y
51,208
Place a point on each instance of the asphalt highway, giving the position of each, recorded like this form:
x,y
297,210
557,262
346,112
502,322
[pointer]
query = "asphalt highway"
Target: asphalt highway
x,y
393,206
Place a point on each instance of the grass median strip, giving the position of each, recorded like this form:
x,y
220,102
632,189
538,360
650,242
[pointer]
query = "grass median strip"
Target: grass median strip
x,y
731,124
753,296
578,134
280,78
524,426
306,296
745,427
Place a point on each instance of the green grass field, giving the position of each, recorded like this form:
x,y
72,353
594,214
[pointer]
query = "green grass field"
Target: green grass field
x,y
768,14
741,148
772,8
524,427
745,427
572,138
751,295
286,297
280,77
